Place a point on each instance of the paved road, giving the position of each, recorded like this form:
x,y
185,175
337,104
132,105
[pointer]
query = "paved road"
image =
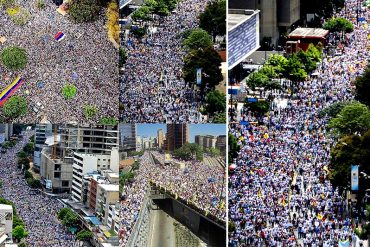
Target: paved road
x,y
162,230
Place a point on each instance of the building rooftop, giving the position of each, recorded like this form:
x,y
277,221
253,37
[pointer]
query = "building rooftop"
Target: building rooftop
x,y
6,206
236,17
110,187
303,32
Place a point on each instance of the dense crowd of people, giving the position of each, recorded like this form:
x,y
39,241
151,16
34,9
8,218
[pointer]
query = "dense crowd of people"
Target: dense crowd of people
x,y
84,58
151,84
196,183
38,211
279,193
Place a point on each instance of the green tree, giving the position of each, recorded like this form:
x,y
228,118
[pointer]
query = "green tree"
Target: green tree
x,y
363,87
214,152
339,24
215,102
234,148
28,174
257,79
29,148
90,111
19,232
22,244
354,117
213,18
219,118
278,62
70,219
259,108
122,56
142,14
198,39
84,235
334,109
84,10
151,4
14,107
69,91
14,58
349,150
210,61
108,121
294,69
63,212
189,151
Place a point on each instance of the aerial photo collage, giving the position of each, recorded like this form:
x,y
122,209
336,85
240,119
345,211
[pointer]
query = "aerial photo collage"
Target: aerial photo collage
x,y
184,123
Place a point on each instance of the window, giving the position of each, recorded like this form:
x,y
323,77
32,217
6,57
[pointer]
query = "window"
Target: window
x,y
65,183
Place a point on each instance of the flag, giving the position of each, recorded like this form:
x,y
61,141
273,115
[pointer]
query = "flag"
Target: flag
x,y
9,91
59,36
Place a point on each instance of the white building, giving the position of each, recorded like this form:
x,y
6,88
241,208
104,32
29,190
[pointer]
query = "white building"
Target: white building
x,y
88,163
6,223
113,217
106,194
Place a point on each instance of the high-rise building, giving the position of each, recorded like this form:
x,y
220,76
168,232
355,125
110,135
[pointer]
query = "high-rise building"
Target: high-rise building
x,y
128,137
42,131
89,140
206,141
276,17
6,131
221,144
177,135
160,138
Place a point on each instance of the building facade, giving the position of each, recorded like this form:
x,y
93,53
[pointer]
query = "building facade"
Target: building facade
x,y
177,135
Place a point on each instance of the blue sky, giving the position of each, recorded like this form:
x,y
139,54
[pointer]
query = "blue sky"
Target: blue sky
x,y
194,129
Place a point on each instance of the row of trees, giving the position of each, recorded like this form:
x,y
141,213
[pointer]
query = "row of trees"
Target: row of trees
x,y
295,68
151,7
189,151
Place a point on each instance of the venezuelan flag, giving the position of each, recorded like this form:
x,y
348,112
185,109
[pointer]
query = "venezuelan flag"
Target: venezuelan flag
x,y
10,90
59,36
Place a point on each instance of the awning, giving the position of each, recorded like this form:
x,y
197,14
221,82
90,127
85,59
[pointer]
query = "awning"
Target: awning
x,y
3,238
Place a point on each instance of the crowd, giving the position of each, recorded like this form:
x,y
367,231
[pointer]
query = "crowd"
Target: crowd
x,y
38,211
151,84
84,58
279,192
196,183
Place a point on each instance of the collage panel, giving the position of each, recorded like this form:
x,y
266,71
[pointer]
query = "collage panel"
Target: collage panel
x,y
299,118
173,185
59,185
59,61
173,61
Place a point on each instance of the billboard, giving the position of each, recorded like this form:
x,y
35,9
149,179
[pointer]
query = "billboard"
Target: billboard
x,y
199,76
243,40
354,177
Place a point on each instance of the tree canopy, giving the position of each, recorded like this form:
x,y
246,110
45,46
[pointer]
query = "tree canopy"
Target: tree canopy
x,y
14,107
210,61
215,102
14,58
189,151
354,117
339,24
198,39
84,10
234,148
363,87
19,232
84,235
213,18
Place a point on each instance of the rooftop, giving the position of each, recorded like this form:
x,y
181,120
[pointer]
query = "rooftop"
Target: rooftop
x,y
6,206
110,187
308,33
237,16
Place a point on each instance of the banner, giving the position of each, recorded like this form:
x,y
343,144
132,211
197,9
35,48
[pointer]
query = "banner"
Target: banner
x,y
354,177
199,76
